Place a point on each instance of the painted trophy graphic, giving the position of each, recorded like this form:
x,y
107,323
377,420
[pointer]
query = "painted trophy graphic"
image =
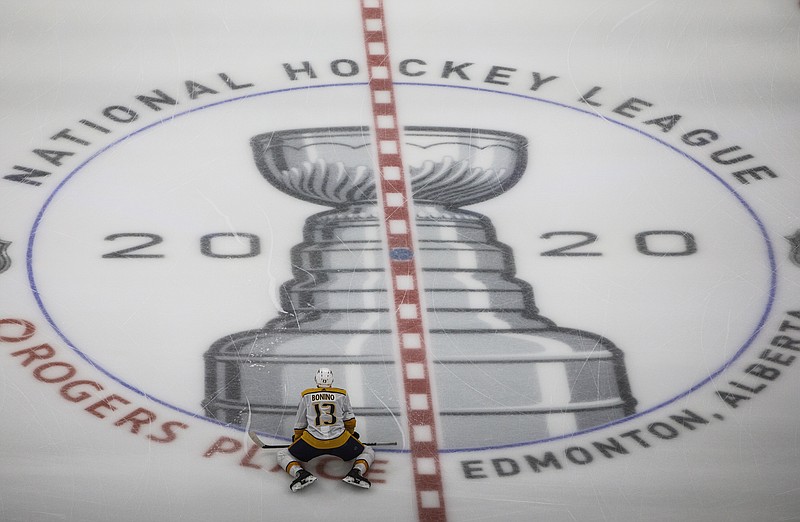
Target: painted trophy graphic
x,y
502,373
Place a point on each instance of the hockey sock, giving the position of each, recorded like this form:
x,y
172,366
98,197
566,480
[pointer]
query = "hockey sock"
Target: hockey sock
x,y
361,466
293,469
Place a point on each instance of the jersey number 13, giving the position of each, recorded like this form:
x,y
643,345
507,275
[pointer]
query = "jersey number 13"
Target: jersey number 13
x,y
326,409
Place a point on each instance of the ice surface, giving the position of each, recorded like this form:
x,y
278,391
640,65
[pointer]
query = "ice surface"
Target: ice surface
x,y
129,439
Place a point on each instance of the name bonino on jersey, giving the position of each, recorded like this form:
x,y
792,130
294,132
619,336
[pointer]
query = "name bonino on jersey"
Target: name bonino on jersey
x,y
317,394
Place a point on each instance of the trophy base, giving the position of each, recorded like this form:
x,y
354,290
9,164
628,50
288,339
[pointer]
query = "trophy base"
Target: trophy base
x,y
490,389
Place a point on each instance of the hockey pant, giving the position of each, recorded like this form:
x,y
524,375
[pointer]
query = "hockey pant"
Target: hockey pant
x,y
302,451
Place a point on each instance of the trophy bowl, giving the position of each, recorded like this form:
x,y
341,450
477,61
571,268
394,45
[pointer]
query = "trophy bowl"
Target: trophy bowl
x,y
333,166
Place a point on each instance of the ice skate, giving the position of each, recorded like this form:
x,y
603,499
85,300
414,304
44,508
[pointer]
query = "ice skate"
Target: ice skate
x,y
354,477
304,478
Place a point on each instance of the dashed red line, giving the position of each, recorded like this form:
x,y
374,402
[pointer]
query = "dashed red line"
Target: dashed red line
x,y
394,195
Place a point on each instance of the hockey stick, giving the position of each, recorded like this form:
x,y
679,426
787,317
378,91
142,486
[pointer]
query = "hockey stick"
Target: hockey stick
x,y
261,444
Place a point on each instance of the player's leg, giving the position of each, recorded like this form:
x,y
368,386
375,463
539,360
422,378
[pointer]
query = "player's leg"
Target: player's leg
x,y
356,475
364,457
290,460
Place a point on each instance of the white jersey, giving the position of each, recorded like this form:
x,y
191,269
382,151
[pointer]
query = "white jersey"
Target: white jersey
x,y
323,413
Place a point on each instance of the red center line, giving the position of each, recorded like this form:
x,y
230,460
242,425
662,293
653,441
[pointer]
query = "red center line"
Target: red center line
x,y
398,215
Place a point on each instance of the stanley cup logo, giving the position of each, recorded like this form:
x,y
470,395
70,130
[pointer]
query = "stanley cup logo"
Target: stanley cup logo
x,y
503,373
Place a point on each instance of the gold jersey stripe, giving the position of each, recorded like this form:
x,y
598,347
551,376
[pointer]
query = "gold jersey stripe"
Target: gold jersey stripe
x,y
325,444
317,390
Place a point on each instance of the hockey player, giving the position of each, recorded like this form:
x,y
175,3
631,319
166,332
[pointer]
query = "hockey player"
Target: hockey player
x,y
325,425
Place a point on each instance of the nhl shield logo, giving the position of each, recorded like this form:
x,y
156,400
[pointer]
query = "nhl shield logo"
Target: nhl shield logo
x,y
794,249
5,259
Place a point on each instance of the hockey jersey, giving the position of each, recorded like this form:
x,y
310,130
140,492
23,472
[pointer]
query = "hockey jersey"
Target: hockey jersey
x,y
324,417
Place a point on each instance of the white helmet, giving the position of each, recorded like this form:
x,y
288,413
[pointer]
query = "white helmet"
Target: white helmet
x,y
324,378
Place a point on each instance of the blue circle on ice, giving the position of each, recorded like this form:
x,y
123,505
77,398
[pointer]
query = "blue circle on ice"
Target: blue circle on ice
x,y
403,254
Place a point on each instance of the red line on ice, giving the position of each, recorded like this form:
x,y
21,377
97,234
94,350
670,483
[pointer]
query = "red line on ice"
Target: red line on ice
x,y
394,193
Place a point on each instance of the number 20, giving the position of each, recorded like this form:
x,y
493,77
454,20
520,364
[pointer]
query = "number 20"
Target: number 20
x,y
642,246
252,244
140,244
